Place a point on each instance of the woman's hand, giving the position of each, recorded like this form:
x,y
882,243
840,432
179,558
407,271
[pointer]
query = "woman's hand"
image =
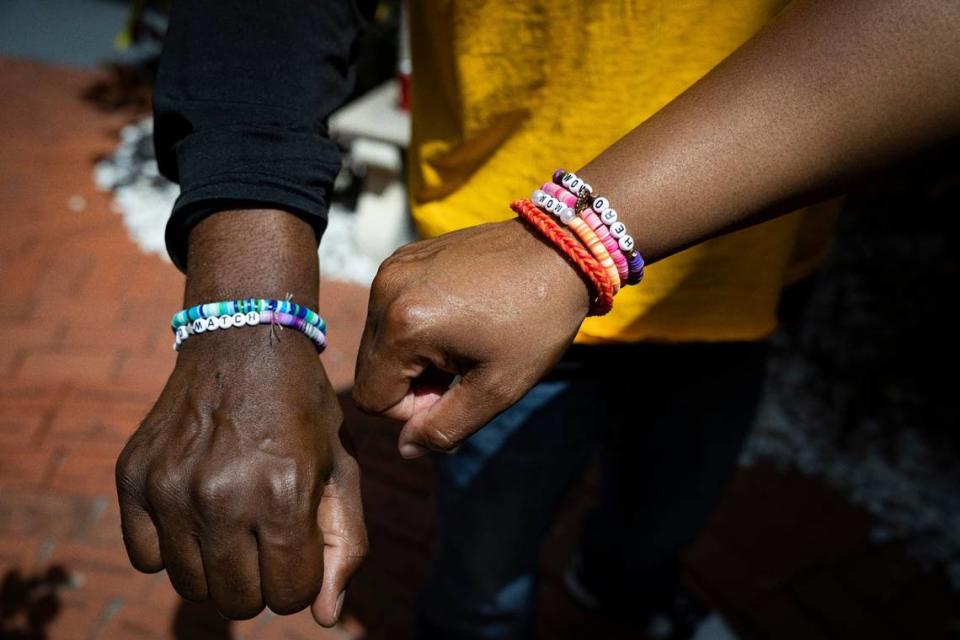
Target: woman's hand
x,y
494,304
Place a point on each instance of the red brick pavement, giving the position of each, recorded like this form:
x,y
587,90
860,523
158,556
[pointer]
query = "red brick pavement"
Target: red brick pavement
x,y
784,557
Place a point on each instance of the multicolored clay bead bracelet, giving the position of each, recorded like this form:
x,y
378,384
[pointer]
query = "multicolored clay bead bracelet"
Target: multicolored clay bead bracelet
x,y
232,307
590,217
251,318
595,274
589,206
595,210
587,235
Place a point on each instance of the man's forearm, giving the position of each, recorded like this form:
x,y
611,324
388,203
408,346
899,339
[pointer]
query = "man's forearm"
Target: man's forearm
x,y
829,91
243,92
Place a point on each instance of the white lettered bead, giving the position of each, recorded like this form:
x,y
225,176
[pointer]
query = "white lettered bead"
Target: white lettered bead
x,y
575,185
182,332
239,320
609,216
626,243
225,322
253,317
199,325
212,324
618,230
567,179
558,207
587,188
567,215
600,205
549,203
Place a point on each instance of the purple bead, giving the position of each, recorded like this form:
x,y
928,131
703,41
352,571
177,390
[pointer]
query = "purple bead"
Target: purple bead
x,y
558,175
635,264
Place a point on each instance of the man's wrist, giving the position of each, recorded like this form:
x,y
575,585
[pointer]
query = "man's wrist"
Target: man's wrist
x,y
264,253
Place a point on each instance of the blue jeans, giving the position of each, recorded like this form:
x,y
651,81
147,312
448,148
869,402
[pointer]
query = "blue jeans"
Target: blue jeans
x,y
669,422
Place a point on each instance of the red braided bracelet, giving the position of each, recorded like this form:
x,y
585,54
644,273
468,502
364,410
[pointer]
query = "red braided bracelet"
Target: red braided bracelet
x,y
584,261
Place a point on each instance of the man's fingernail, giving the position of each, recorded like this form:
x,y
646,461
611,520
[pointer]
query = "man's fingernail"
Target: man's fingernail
x,y
411,450
336,613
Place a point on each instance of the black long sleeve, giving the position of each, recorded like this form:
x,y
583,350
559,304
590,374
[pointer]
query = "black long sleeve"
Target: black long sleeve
x,y
243,93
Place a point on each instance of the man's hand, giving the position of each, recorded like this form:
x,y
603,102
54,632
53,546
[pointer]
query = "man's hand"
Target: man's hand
x,y
237,482
494,304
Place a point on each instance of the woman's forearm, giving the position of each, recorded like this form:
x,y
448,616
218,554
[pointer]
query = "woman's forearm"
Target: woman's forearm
x,y
829,91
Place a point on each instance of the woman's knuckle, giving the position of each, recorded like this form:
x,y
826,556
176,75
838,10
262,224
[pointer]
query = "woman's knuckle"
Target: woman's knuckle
x,y
440,439
405,316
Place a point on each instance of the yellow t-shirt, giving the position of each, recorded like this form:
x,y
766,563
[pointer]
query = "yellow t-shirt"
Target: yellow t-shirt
x,y
493,116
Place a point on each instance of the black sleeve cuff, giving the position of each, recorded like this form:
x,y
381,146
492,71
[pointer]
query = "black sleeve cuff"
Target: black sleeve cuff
x,y
247,166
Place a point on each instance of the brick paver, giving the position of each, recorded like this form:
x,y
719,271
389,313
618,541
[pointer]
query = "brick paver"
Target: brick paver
x,y
783,558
